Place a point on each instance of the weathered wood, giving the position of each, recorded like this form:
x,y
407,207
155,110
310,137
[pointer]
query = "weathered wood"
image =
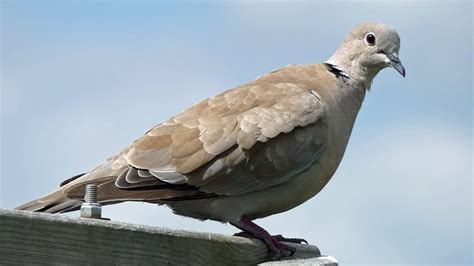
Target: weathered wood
x,y
318,261
27,237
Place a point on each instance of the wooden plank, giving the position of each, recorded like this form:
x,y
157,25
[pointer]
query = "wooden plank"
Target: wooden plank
x,y
318,261
27,237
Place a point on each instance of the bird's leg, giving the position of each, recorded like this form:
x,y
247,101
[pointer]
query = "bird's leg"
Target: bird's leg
x,y
278,249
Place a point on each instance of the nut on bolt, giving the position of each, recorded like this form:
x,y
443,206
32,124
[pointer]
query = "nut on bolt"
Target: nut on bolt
x,y
91,208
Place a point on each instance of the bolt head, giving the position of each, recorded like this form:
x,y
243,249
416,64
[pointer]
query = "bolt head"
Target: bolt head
x,y
91,210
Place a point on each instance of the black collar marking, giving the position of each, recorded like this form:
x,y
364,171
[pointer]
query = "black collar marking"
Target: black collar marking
x,y
339,73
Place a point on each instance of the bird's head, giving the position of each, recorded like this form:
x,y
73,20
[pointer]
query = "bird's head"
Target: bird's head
x,y
367,49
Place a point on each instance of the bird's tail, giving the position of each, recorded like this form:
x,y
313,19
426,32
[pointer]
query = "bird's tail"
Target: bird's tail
x,y
55,202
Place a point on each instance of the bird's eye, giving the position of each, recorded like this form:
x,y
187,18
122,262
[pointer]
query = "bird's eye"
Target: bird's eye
x,y
370,39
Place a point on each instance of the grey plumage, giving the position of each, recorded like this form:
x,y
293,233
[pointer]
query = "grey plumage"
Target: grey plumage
x,y
253,151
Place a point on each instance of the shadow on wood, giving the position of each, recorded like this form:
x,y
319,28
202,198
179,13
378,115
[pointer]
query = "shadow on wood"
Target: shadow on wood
x,y
28,237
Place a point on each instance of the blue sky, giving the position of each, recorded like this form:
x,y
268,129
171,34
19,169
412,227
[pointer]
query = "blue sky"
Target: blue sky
x,y
81,80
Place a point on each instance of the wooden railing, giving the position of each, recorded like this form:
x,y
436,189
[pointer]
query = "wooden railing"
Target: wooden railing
x,y
39,238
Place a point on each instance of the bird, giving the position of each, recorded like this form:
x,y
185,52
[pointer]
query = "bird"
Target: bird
x,y
253,151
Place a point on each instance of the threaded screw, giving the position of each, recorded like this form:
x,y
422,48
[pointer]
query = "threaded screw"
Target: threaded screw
x,y
91,208
91,193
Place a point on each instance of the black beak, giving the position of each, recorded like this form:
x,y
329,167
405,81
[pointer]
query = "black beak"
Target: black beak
x,y
395,63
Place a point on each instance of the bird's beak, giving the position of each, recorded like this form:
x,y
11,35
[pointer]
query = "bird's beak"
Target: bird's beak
x,y
395,63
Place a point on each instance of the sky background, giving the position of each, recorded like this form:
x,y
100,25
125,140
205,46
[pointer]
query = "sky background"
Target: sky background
x,y
80,80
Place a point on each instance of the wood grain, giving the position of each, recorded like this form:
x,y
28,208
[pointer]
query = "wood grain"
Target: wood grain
x,y
27,237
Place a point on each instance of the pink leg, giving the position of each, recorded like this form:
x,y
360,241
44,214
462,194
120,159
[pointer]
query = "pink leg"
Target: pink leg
x,y
278,249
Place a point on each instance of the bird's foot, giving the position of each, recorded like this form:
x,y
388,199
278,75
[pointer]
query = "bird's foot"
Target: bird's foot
x,y
276,237
277,249
280,250
291,240
244,234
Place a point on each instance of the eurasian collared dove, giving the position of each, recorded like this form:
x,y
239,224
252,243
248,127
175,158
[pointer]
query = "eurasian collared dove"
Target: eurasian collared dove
x,y
259,149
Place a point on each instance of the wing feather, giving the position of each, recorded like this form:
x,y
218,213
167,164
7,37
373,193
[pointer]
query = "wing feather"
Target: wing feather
x,y
255,136
245,139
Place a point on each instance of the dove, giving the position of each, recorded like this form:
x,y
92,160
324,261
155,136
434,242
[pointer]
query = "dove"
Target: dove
x,y
253,151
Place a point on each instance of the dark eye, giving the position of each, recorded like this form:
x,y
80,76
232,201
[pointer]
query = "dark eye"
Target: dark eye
x,y
370,39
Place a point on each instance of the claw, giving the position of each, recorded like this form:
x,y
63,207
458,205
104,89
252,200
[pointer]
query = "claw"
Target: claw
x,y
277,249
291,240
244,234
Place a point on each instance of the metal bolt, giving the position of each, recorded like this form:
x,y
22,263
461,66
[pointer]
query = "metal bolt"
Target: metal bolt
x,y
91,193
90,208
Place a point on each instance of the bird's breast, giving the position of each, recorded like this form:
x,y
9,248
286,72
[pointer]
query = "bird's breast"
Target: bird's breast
x,y
341,113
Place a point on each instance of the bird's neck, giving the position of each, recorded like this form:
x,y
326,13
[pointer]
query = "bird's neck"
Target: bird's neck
x,y
359,74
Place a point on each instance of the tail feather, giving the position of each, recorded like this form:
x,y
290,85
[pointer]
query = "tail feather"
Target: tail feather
x,y
70,196
55,202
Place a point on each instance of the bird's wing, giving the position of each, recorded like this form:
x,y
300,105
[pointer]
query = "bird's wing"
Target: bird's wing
x,y
246,139
239,141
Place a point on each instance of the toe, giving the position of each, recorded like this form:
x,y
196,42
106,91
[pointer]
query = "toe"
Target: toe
x,y
292,240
